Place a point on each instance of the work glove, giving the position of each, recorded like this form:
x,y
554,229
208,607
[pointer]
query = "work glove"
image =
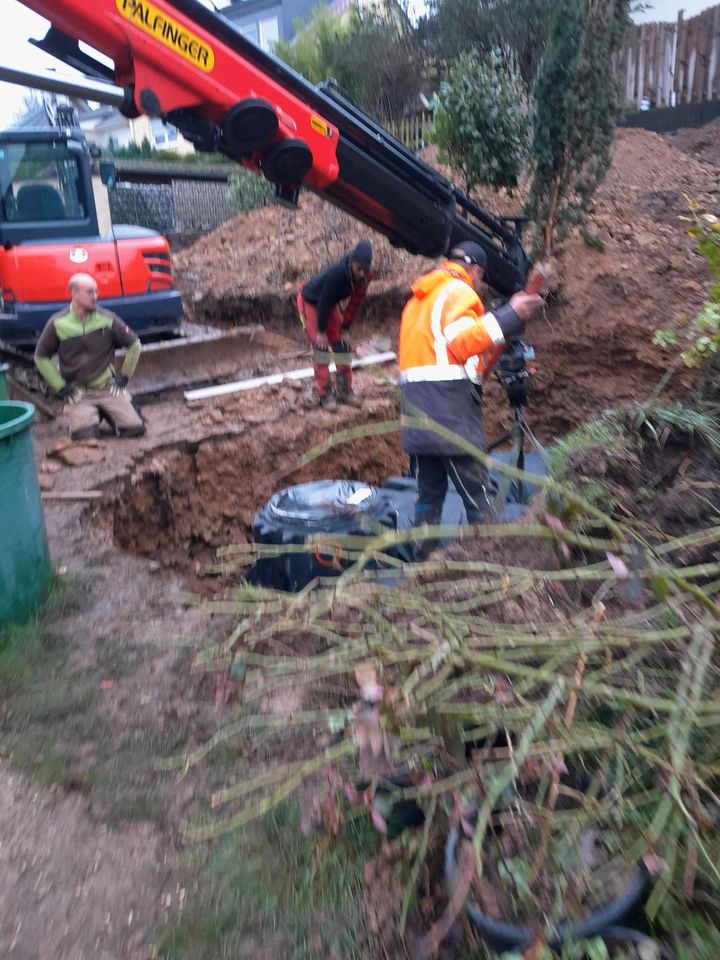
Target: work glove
x,y
118,387
69,394
346,340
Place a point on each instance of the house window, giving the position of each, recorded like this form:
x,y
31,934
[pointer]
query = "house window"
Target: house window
x,y
163,133
264,33
269,32
250,32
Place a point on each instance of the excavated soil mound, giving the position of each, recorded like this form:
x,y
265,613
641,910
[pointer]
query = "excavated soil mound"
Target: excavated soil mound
x,y
594,345
703,143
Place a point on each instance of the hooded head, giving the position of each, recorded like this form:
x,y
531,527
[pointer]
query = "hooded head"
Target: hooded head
x,y
360,259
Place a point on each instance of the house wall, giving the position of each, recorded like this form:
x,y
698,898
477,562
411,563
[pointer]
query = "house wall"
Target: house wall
x,y
250,13
148,128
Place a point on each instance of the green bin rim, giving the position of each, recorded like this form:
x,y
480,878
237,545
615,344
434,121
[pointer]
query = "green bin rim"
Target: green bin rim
x,y
25,413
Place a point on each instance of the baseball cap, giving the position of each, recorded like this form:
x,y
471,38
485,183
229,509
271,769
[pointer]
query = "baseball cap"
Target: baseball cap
x,y
470,252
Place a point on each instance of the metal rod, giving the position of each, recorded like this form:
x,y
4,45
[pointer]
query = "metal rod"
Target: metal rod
x,y
71,86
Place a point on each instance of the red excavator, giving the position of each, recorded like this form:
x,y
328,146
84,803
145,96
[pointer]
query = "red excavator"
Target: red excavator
x,y
181,62
49,231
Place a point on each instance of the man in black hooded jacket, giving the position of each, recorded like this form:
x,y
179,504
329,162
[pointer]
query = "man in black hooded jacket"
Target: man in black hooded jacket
x,y
327,328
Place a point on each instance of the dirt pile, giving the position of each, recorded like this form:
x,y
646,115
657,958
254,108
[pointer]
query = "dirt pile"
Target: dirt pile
x,y
593,347
703,143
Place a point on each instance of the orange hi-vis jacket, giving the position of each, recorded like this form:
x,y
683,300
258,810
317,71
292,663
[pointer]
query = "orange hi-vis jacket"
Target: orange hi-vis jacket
x,y
445,337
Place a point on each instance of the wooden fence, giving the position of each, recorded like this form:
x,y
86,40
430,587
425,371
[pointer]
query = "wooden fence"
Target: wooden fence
x,y
671,63
413,129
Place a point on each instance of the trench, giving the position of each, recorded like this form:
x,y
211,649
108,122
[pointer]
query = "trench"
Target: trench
x,y
182,502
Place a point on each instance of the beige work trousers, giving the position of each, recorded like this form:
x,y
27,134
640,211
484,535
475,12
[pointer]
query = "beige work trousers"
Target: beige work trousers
x,y
86,414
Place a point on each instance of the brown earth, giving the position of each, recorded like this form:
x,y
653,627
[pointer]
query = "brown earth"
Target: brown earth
x,y
593,346
76,883
703,143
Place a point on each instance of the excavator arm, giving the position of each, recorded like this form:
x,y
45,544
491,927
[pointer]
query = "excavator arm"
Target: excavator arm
x,y
184,63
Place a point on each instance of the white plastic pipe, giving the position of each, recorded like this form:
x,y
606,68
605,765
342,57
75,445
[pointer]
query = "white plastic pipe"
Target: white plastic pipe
x,y
304,373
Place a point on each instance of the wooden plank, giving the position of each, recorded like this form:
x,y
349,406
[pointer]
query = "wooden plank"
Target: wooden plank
x,y
636,66
673,63
668,63
659,63
629,74
691,58
707,45
714,67
681,60
641,64
703,31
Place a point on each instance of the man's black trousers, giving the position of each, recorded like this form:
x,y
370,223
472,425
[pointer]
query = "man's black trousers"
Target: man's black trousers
x,y
432,472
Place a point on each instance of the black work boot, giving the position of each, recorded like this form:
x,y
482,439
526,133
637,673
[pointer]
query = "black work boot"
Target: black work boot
x,y
138,431
423,548
327,402
87,433
345,394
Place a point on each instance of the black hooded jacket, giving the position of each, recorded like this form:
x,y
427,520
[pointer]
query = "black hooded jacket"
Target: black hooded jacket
x,y
330,287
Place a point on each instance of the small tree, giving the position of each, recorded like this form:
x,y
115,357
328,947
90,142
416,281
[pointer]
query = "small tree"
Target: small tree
x,y
481,120
577,104
344,48
247,190
314,50
460,26
700,338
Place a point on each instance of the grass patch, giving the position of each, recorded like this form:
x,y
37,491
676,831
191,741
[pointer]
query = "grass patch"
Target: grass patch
x,y
606,430
41,697
269,888
37,647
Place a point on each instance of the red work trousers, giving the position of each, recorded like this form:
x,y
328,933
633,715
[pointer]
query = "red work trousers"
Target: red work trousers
x,y
321,358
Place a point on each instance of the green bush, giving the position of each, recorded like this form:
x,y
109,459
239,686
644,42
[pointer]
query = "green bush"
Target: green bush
x,y
481,119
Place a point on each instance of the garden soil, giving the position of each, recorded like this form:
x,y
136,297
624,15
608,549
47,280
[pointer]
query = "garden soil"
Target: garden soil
x,y
89,864
593,345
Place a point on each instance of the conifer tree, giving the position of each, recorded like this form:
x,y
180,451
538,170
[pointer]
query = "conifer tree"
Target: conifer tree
x,y
576,107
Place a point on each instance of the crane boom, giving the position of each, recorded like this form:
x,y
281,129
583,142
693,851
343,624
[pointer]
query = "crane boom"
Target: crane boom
x,y
184,63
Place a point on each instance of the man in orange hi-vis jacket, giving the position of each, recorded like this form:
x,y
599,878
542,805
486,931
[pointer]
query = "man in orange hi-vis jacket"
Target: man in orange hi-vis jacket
x,y
445,337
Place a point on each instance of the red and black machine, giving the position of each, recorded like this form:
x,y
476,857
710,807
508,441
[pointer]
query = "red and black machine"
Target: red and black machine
x,y
179,61
49,231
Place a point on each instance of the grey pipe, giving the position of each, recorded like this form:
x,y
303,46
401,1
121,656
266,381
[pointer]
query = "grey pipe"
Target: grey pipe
x,y
73,87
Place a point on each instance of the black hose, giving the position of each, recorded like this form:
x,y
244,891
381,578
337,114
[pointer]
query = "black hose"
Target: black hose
x,y
503,936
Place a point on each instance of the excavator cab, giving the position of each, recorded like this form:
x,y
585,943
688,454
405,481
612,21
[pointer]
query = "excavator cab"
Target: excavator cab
x,y
49,231
44,179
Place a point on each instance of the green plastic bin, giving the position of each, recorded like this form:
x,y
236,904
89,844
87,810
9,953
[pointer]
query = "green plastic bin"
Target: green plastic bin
x,y
25,570
4,367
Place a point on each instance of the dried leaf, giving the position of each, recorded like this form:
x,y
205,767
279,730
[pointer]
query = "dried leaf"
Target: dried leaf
x,y
618,566
351,793
366,679
377,820
555,523
653,863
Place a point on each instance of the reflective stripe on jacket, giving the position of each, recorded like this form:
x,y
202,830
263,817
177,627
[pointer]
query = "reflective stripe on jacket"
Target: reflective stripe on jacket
x,y
445,335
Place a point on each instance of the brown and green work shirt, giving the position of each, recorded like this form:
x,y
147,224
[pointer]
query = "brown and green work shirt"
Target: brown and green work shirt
x,y
85,349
